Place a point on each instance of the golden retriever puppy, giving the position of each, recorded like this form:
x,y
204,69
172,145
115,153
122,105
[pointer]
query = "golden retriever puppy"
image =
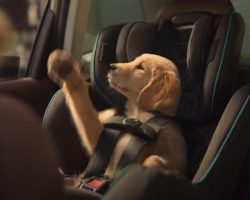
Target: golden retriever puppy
x,y
150,83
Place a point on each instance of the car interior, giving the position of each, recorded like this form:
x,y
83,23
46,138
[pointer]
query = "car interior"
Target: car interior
x,y
207,40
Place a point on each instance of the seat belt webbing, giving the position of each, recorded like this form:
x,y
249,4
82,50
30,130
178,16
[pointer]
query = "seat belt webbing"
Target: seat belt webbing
x,y
136,143
111,134
100,158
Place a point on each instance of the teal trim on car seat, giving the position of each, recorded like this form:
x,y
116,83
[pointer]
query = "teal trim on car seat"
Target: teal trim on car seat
x,y
46,111
225,47
236,121
93,76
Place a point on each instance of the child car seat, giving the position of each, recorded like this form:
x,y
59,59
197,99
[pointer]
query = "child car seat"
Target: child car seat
x,y
182,14
208,76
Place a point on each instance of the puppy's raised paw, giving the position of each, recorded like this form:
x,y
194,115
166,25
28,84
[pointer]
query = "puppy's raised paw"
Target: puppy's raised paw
x,y
61,66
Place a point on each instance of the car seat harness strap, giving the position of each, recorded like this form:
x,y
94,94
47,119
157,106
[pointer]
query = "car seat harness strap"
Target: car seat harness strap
x,y
102,153
133,126
114,127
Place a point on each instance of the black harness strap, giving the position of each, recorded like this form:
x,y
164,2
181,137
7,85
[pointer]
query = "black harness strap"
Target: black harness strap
x,y
158,122
132,126
144,133
100,158
136,143
133,148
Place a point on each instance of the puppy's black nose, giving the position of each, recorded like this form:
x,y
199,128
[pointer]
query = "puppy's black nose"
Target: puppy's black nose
x,y
113,66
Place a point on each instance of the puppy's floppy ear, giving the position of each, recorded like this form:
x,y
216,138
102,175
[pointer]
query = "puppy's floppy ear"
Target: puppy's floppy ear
x,y
162,92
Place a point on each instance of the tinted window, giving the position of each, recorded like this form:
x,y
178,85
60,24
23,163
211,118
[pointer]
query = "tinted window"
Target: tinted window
x,y
104,13
107,12
21,17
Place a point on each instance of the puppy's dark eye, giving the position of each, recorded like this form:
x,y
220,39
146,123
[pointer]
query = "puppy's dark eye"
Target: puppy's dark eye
x,y
139,66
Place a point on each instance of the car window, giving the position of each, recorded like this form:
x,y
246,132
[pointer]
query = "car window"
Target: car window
x,y
108,12
243,7
105,13
21,20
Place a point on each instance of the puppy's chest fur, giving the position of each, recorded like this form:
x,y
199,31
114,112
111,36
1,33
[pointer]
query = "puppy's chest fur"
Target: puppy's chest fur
x,y
132,111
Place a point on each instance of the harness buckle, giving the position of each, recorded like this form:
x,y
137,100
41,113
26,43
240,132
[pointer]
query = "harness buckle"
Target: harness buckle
x,y
131,122
141,130
99,184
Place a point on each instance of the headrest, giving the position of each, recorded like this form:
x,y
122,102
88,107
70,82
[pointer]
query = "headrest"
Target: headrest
x,y
213,52
198,46
119,43
134,40
175,8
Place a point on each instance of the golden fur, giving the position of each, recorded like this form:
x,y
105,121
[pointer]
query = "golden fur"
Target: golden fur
x,y
150,82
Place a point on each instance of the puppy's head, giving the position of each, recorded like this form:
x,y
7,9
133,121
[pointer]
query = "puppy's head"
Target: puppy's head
x,y
151,81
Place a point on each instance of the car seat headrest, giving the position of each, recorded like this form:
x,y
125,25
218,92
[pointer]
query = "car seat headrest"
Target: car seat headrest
x,y
171,42
212,57
198,47
135,39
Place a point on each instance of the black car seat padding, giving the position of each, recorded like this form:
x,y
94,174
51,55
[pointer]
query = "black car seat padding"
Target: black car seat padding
x,y
228,149
135,39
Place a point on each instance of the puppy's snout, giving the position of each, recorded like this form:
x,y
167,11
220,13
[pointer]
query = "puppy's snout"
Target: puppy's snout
x,y
113,66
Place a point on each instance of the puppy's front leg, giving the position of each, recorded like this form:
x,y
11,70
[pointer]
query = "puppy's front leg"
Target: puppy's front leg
x,y
62,68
